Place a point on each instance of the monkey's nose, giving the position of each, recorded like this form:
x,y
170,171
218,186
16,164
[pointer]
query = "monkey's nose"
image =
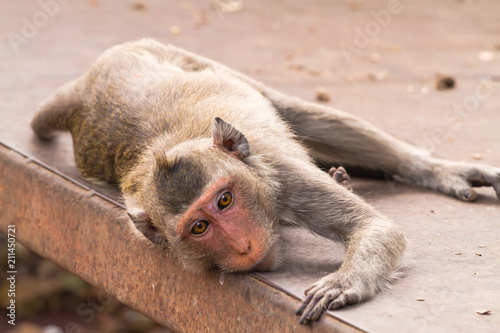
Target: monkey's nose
x,y
241,246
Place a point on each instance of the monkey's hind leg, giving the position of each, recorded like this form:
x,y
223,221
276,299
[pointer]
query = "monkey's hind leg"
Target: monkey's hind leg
x,y
336,137
54,113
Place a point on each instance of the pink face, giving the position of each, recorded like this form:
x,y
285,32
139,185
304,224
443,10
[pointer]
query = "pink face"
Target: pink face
x,y
220,222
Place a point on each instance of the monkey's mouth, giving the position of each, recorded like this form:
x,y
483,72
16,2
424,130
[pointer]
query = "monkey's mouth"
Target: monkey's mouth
x,y
261,261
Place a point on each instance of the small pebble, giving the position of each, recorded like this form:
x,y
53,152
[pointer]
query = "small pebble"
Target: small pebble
x,y
445,82
375,57
477,156
139,6
175,30
379,76
322,94
395,49
483,312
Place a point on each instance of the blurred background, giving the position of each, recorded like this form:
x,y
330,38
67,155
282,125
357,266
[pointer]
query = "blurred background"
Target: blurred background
x,y
51,300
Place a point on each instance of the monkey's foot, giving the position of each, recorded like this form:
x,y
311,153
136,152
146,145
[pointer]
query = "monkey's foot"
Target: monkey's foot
x,y
456,178
329,293
341,177
461,177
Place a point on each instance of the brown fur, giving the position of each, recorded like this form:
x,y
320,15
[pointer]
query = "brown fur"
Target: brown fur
x,y
144,117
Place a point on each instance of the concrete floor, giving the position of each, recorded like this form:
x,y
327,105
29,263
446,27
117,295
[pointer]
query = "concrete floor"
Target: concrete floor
x,y
297,47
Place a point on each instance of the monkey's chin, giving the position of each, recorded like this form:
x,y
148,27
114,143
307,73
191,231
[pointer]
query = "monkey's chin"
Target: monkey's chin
x,y
268,262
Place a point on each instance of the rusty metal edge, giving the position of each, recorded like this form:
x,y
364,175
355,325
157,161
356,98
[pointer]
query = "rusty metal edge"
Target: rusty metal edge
x,y
29,158
35,189
286,292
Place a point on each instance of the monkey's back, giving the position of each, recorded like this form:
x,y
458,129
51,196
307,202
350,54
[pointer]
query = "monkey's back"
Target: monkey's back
x,y
133,94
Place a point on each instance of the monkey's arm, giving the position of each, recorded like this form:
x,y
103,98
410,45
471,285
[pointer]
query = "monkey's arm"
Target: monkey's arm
x,y
374,244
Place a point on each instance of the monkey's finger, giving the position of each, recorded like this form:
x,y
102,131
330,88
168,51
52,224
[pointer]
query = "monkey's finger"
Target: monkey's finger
x,y
339,302
304,304
466,194
346,177
481,179
495,182
316,313
304,320
462,190
339,169
338,177
342,169
323,304
307,313
496,186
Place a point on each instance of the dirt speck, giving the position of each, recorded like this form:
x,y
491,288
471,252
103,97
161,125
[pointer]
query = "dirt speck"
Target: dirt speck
x,y
322,94
445,82
483,312
477,156
175,30
139,6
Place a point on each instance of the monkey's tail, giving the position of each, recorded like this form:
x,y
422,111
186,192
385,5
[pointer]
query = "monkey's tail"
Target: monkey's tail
x,y
54,113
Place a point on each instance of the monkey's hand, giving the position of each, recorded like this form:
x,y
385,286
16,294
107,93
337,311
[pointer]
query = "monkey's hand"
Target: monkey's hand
x,y
331,292
458,179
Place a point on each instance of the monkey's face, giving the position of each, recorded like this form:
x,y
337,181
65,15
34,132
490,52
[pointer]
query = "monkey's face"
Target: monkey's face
x,y
206,201
221,227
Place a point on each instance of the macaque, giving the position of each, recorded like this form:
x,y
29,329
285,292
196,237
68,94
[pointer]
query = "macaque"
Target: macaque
x,y
212,165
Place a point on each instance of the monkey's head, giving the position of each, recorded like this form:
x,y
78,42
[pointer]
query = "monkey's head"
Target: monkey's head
x,y
207,201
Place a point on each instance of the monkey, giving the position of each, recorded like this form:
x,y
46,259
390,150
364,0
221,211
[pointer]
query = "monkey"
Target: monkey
x,y
212,165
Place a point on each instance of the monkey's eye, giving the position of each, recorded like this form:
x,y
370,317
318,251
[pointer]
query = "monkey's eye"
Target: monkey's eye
x,y
200,227
225,200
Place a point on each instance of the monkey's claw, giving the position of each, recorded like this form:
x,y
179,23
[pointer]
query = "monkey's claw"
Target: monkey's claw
x,y
341,177
326,294
458,179
482,177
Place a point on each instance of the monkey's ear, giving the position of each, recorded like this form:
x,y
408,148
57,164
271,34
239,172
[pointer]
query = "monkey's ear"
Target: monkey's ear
x,y
144,224
230,139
